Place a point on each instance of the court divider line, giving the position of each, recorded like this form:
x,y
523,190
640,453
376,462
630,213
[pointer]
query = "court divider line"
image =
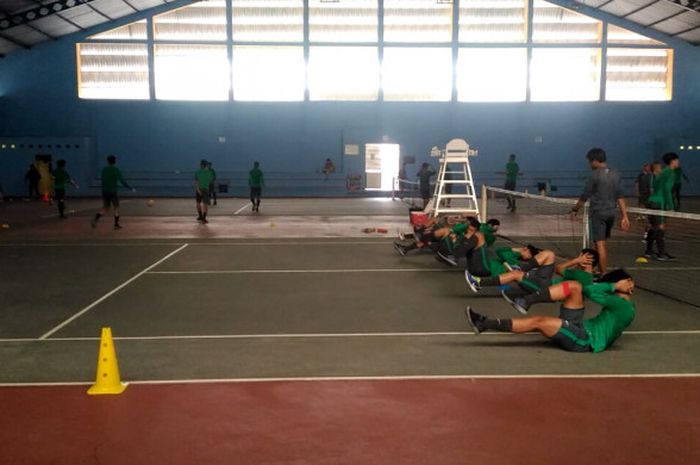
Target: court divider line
x,y
237,212
110,293
681,332
366,378
359,270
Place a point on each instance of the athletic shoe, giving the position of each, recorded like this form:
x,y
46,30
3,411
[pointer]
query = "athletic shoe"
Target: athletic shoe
x,y
473,281
648,254
117,226
475,320
399,248
520,305
449,259
666,257
204,221
507,297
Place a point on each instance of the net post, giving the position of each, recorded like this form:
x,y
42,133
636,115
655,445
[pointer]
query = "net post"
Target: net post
x,y
484,201
393,188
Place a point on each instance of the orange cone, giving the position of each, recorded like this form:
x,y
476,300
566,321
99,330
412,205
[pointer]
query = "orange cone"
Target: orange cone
x,y
107,380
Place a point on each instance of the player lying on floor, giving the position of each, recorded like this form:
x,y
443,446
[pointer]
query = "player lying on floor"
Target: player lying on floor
x,y
459,242
533,275
427,234
579,269
570,331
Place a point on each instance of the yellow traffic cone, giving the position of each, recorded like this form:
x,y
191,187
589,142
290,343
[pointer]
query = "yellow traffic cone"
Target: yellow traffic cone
x,y
108,380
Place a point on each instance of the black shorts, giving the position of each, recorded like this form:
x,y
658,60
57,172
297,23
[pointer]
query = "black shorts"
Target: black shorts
x,y
537,279
425,193
255,191
475,263
202,196
572,335
601,226
110,199
59,194
509,186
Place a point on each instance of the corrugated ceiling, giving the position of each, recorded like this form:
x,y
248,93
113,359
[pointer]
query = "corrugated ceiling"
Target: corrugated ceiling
x,y
24,24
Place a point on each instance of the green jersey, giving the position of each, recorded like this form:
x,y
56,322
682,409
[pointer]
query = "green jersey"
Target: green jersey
x,y
615,316
662,186
489,236
679,176
111,178
60,178
459,229
512,170
204,178
255,178
575,274
508,255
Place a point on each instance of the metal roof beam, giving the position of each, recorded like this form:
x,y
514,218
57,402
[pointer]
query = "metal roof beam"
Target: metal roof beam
x,y
40,11
636,10
14,41
130,5
99,12
666,18
690,29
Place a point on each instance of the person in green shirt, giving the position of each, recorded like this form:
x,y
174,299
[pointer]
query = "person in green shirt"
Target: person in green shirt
x,y
680,176
203,178
534,275
661,199
212,186
60,179
512,173
569,330
111,178
256,183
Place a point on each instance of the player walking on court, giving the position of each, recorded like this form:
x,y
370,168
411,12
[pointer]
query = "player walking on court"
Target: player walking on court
x,y
60,179
212,186
111,178
203,178
512,173
662,199
604,190
256,183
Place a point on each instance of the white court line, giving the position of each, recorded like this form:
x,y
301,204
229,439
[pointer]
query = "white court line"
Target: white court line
x,y
368,378
247,205
665,268
365,270
107,295
325,335
281,242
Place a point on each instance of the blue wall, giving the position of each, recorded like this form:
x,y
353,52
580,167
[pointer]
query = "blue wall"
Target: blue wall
x,y
291,140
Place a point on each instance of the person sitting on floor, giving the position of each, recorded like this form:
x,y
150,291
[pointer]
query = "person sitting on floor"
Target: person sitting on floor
x,y
532,276
426,234
569,330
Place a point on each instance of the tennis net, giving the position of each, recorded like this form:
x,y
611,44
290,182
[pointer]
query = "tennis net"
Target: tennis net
x,y
547,222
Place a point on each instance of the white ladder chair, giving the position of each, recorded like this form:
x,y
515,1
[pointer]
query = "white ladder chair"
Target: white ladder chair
x,y
455,171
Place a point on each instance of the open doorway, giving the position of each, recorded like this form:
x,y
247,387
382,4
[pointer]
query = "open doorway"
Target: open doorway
x,y
381,165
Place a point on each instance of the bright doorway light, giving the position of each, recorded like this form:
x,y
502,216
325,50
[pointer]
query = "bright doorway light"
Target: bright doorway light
x,y
381,165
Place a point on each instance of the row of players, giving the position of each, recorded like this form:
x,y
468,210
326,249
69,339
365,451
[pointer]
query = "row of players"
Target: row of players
x,y
526,276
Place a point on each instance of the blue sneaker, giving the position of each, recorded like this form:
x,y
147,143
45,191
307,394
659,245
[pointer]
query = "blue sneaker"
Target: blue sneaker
x,y
473,281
